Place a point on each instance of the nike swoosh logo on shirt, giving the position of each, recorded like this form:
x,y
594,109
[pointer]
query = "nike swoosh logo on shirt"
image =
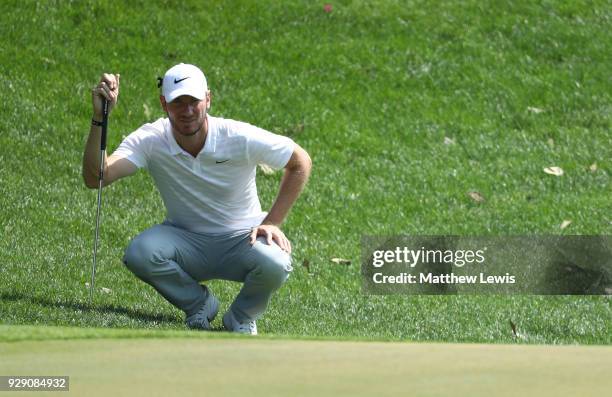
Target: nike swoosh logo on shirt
x,y
223,161
178,81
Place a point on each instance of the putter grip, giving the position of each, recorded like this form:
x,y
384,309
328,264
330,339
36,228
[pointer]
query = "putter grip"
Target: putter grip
x,y
104,124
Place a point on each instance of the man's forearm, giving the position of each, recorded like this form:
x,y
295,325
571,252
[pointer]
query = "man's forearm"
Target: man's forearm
x,y
291,186
91,157
107,89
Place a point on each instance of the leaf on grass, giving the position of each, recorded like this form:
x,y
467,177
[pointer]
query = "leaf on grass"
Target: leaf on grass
x,y
515,332
341,261
534,110
550,142
448,141
593,167
565,224
556,171
267,170
86,285
105,290
147,111
476,196
513,326
306,264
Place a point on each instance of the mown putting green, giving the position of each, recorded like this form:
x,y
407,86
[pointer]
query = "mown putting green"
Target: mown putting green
x,y
263,367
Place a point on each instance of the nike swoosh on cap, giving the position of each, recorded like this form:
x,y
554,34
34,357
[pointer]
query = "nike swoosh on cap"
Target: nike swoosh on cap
x,y
178,81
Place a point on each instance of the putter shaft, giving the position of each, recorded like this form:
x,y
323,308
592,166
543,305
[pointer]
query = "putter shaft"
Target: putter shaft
x,y
95,252
100,181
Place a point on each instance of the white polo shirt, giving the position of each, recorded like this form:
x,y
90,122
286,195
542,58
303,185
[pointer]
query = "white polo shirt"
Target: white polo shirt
x,y
215,192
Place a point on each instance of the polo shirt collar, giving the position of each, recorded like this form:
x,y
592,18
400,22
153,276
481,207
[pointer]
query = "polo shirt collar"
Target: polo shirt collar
x,y
209,145
211,136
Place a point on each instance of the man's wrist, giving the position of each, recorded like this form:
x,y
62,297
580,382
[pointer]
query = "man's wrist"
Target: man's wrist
x,y
271,223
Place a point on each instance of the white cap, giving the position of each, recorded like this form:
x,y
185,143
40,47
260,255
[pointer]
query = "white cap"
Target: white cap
x,y
184,79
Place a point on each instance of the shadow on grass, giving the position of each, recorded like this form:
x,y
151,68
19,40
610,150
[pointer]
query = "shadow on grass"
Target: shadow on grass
x,y
100,309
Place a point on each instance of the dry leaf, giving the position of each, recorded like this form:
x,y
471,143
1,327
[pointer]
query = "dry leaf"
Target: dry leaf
x,y
105,290
86,285
448,141
593,167
477,197
147,110
341,261
513,326
306,264
515,332
535,110
550,142
267,170
565,224
556,171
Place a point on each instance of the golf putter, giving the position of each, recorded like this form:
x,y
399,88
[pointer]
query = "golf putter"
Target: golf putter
x,y
100,180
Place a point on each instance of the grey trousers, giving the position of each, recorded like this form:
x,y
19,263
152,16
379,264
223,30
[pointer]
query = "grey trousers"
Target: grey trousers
x,y
173,261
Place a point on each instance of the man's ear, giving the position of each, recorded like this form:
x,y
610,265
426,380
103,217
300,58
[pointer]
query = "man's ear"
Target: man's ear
x,y
164,105
208,100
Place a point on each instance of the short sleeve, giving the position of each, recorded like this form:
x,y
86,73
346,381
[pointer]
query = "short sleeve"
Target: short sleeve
x,y
264,147
135,147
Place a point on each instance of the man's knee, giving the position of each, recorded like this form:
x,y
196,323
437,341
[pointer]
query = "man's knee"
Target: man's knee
x,y
274,269
142,254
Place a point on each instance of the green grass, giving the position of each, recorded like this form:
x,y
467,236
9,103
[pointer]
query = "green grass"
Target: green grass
x,y
371,91
178,366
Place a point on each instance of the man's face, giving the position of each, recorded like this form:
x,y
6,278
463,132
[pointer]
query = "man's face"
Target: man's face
x,y
187,114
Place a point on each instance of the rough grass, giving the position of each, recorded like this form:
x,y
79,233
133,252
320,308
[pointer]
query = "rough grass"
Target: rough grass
x,y
371,90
